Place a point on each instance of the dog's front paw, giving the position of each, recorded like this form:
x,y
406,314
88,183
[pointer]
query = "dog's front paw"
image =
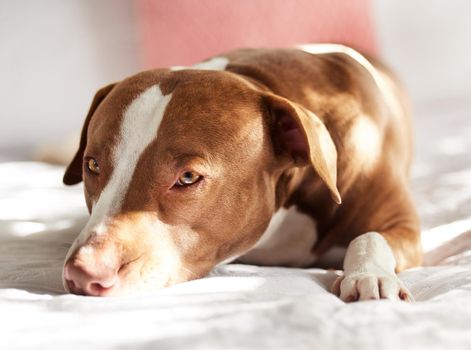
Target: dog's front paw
x,y
368,286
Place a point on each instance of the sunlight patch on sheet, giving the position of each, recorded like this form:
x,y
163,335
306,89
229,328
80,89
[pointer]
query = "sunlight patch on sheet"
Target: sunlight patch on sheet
x,y
28,228
219,284
452,146
420,170
25,228
437,236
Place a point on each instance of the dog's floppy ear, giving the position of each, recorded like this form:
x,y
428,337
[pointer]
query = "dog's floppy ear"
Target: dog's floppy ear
x,y
300,134
73,173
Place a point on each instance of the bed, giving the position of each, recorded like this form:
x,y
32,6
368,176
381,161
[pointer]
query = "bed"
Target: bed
x,y
242,306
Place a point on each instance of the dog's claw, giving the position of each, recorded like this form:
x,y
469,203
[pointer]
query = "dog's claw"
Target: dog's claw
x,y
365,286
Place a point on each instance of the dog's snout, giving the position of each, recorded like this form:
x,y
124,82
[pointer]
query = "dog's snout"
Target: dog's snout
x,y
87,275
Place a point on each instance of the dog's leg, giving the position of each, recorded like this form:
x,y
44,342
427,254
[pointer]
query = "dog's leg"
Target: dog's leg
x,y
370,267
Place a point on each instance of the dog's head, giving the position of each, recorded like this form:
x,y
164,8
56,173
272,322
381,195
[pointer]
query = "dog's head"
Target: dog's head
x,y
183,170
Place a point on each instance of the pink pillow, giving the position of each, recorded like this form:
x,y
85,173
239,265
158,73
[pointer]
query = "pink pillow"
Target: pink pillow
x,y
182,32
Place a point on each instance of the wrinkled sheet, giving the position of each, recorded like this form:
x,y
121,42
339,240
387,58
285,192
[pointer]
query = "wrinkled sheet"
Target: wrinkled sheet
x,y
239,306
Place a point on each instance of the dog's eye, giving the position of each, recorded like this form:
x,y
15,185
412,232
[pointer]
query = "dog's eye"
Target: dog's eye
x,y
188,178
92,166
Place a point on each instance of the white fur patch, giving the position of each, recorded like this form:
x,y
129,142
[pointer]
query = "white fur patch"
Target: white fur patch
x,y
139,128
380,80
369,270
215,63
288,240
369,252
319,49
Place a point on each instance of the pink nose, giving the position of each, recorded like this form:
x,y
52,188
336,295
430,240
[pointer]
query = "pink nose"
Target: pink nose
x,y
90,277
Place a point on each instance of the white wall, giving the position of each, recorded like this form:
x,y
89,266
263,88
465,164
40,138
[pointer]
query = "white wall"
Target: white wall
x,y
54,54
429,44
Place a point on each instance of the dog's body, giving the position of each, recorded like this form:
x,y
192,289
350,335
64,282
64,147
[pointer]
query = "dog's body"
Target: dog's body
x,y
193,164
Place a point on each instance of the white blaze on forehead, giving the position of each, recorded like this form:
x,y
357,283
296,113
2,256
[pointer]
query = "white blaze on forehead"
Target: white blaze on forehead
x,y
139,126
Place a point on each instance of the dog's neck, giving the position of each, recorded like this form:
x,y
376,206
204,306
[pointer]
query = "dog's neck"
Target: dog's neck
x,y
302,187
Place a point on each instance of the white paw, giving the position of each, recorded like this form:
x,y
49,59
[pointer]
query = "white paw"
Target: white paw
x,y
368,286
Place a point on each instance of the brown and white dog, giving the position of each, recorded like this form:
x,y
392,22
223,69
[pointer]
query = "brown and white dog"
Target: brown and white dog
x,y
271,157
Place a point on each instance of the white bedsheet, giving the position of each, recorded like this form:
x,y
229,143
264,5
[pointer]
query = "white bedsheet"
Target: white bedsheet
x,y
237,306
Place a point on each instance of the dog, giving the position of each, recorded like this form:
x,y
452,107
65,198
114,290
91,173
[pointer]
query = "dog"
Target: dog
x,y
260,156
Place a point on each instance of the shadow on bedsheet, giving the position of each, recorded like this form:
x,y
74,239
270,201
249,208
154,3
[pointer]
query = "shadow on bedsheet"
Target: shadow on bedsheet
x,y
33,263
32,253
